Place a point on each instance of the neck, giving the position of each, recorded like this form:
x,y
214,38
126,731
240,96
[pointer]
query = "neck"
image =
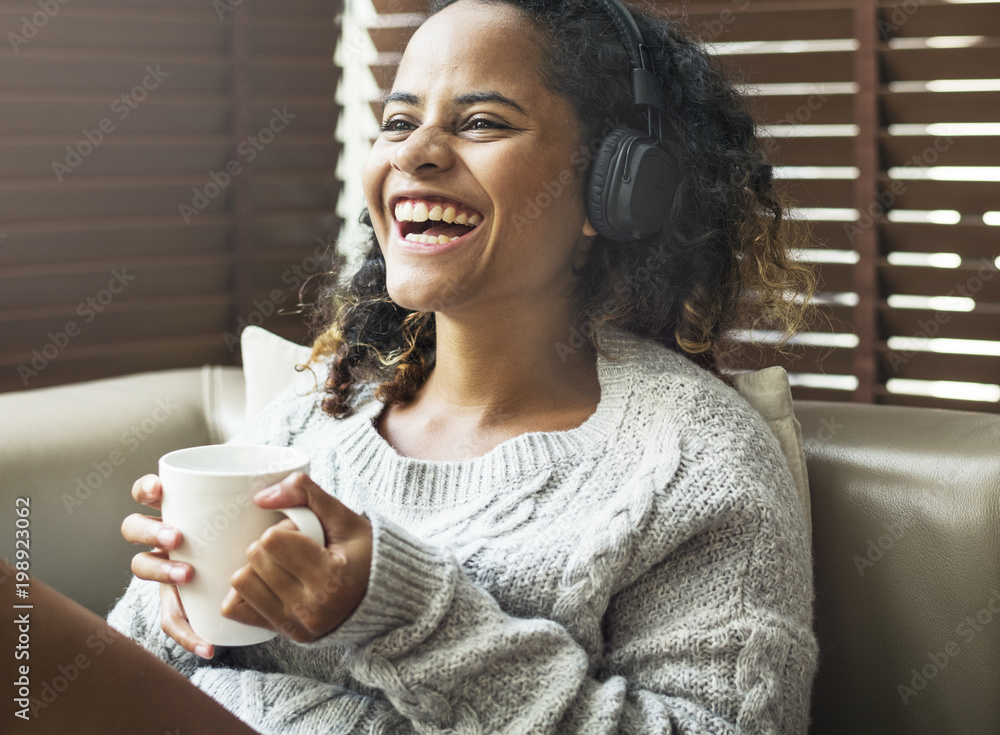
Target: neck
x,y
511,368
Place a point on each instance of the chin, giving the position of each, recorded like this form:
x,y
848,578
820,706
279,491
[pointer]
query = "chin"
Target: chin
x,y
421,299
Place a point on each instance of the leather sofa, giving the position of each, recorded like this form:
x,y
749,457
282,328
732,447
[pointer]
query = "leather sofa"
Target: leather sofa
x,y
905,512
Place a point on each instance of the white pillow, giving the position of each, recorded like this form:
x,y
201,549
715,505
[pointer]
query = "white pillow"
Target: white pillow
x,y
269,367
767,390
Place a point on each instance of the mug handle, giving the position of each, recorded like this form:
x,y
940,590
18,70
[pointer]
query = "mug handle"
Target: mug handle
x,y
308,523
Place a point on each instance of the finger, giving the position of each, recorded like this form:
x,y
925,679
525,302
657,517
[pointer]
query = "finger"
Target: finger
x,y
310,580
150,531
294,553
263,582
297,490
155,567
175,624
236,608
148,491
252,602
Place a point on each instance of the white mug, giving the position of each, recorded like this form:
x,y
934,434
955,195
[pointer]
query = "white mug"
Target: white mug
x,y
208,496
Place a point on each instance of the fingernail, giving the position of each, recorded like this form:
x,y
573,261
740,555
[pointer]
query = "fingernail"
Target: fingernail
x,y
177,573
148,483
167,537
267,493
202,650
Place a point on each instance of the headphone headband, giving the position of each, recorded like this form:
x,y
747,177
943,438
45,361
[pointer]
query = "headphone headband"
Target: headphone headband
x,y
633,181
646,90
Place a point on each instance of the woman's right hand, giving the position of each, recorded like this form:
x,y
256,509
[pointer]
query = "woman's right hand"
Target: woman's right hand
x,y
156,566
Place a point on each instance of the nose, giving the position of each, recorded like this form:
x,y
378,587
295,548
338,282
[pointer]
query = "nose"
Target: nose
x,y
426,149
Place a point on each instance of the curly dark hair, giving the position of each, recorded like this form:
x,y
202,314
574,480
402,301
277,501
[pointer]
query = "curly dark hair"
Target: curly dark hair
x,y
722,262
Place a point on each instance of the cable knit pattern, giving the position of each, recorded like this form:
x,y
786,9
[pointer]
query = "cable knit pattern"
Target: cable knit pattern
x,y
646,572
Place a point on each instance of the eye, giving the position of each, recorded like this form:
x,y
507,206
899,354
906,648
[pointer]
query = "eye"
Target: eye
x,y
483,123
396,125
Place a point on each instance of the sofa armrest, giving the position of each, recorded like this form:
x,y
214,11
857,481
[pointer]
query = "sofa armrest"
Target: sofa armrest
x,y
76,450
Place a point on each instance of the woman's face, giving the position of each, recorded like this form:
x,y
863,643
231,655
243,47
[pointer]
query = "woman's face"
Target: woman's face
x,y
475,185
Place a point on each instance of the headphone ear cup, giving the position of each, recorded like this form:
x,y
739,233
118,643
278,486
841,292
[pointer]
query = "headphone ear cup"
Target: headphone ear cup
x,y
603,195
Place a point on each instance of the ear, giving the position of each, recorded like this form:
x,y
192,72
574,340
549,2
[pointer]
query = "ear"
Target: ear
x,y
588,229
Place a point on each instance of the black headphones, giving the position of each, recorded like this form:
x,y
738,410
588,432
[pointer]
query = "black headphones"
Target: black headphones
x,y
633,180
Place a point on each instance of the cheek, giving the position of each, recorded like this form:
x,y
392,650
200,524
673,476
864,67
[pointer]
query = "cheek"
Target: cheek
x,y
549,206
373,174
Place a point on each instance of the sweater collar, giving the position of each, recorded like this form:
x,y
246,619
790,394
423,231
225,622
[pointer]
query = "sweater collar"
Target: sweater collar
x,y
404,481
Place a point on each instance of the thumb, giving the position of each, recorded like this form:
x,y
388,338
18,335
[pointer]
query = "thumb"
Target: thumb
x,y
299,490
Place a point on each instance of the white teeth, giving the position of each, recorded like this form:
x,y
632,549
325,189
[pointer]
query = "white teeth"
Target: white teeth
x,y
407,211
430,240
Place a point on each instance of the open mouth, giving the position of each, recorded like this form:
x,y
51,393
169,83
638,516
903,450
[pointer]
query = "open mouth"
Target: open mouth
x,y
435,221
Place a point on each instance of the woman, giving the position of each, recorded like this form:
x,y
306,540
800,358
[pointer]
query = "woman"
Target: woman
x,y
544,510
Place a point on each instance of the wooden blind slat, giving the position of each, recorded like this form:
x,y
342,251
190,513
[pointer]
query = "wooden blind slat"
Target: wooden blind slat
x,y
965,196
973,62
802,109
982,278
829,360
948,19
932,107
812,151
756,22
964,150
913,365
818,192
979,324
976,240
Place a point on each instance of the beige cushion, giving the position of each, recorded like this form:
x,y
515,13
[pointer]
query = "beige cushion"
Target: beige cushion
x,y
269,367
269,363
768,391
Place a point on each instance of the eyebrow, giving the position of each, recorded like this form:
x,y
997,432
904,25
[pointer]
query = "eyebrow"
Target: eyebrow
x,y
462,101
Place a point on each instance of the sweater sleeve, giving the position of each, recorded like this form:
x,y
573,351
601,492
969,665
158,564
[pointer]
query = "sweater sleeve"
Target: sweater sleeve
x,y
449,659
137,615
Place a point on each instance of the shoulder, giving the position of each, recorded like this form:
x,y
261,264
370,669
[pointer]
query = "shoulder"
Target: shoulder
x,y
681,415
672,391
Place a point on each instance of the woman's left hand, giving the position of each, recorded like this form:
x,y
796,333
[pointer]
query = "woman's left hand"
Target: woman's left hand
x,y
293,586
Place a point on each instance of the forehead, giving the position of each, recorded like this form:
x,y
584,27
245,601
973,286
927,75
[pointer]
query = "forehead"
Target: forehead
x,y
473,45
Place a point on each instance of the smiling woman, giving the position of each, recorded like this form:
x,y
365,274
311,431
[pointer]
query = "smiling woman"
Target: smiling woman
x,y
526,531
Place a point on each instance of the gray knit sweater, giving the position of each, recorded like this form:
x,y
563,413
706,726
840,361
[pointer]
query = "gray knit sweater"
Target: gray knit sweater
x,y
646,572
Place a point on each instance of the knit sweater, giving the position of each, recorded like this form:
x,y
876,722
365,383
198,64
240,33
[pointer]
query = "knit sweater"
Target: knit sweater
x,y
646,572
